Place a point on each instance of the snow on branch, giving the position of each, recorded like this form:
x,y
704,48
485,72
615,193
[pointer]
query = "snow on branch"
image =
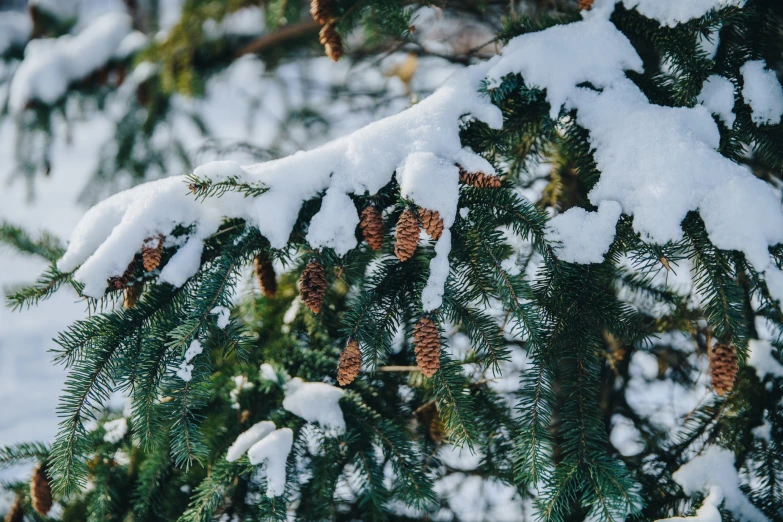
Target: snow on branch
x,y
657,164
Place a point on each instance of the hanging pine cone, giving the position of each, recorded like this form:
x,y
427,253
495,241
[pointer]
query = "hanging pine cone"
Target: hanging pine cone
x,y
265,275
429,417
312,286
431,222
322,10
350,363
426,340
585,5
16,513
372,227
120,282
407,235
333,44
132,294
151,252
41,490
723,367
478,179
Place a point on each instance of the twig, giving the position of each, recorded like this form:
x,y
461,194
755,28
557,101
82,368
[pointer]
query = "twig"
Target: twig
x,y
287,32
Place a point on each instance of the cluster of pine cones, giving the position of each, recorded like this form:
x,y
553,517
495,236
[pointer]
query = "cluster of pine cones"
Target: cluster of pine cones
x,y
40,496
151,254
323,12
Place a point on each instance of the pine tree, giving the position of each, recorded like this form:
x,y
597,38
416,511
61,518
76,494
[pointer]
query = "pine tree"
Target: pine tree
x,y
521,329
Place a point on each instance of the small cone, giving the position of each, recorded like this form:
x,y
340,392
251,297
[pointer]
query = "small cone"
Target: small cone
x,y
350,363
429,417
16,514
372,227
132,294
723,367
426,340
120,282
322,10
333,44
41,490
478,179
265,275
151,252
431,222
312,286
585,5
407,235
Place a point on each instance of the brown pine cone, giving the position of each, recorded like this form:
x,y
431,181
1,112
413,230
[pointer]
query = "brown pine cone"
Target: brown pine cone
x,y
350,363
372,227
431,222
41,490
16,514
312,286
322,10
132,294
723,367
333,44
429,417
426,340
478,179
585,5
265,275
407,235
120,282
151,252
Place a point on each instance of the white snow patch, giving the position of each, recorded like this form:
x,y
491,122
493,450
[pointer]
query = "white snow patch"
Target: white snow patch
x,y
316,402
223,315
115,430
673,12
241,384
584,236
708,512
625,436
185,370
763,92
15,30
248,438
50,65
760,357
273,450
717,95
714,468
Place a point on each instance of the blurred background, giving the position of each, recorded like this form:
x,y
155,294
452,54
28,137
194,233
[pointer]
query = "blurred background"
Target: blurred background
x,y
99,95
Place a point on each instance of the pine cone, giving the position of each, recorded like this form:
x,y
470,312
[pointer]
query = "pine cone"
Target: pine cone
x,y
41,490
151,252
120,282
407,235
478,179
333,44
585,5
426,340
431,222
350,363
322,10
312,286
265,275
16,513
132,294
372,227
429,417
723,367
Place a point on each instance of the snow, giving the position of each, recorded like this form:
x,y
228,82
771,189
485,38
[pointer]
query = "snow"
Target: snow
x,y
667,12
50,65
713,472
591,51
763,92
708,512
268,373
316,402
427,134
625,436
115,430
584,236
764,431
15,30
760,357
223,315
132,43
273,450
248,438
241,384
185,370
717,95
